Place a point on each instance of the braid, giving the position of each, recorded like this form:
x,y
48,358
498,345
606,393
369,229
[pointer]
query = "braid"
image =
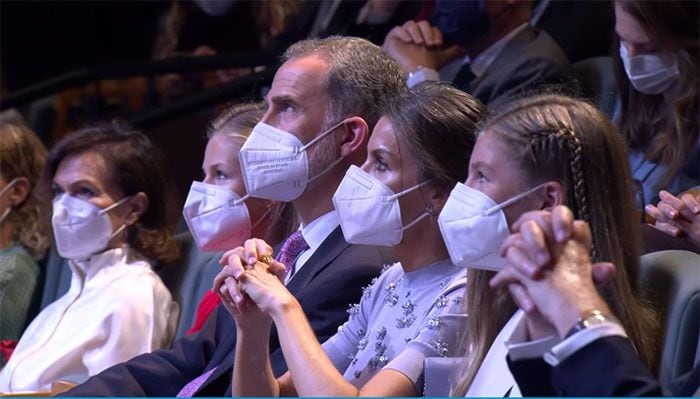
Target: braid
x,y
577,177
563,140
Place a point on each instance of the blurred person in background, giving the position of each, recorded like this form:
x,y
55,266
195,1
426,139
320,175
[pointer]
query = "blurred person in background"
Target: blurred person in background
x,y
23,228
657,76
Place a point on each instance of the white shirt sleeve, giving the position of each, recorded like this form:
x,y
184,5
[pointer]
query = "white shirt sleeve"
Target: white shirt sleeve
x,y
552,348
422,75
580,339
520,348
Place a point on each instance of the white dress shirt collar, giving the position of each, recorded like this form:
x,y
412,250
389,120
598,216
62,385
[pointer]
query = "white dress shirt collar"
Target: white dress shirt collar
x,y
484,60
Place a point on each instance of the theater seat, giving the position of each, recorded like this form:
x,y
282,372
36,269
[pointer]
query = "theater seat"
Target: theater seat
x,y
597,78
441,375
57,280
672,279
188,278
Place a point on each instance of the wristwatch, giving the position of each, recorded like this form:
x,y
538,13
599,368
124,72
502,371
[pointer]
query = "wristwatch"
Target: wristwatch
x,y
591,318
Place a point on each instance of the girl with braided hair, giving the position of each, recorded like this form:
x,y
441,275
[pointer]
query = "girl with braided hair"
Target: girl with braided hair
x,y
535,154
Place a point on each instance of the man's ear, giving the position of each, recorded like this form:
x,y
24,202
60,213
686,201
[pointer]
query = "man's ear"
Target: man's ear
x,y
355,138
138,205
554,194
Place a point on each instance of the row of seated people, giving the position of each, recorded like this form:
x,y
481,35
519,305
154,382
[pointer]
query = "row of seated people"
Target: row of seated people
x,y
422,176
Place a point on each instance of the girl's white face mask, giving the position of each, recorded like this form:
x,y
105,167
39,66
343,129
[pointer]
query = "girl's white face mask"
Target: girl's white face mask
x,y
82,229
474,226
274,163
649,73
217,218
369,210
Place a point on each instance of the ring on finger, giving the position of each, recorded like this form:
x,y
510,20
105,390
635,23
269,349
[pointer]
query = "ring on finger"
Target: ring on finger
x,y
266,259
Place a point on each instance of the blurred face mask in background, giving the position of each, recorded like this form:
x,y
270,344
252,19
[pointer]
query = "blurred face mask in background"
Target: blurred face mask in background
x,y
649,73
461,22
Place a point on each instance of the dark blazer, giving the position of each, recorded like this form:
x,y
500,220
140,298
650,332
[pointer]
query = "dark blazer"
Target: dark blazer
x,y
529,60
608,366
329,282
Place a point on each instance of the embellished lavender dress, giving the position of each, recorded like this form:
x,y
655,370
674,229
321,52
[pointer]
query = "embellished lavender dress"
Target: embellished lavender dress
x,y
401,319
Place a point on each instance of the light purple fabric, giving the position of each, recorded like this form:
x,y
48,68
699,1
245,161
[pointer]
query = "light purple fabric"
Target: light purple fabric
x,y
193,386
292,247
402,319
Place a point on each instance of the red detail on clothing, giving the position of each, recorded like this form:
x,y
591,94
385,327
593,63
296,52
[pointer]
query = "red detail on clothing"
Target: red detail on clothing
x,y
7,346
207,304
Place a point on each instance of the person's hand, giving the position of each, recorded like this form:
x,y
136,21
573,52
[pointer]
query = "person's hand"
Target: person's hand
x,y
264,286
247,315
418,44
239,305
678,216
565,290
253,249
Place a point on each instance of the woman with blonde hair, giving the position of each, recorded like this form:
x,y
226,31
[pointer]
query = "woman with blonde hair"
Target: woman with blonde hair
x,y
216,214
535,154
23,225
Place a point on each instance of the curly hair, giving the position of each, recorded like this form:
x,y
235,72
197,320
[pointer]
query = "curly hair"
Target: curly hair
x,y
23,155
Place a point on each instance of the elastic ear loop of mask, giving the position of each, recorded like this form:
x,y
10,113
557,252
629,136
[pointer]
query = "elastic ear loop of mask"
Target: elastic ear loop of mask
x,y
420,217
315,140
109,208
242,200
518,197
4,190
261,218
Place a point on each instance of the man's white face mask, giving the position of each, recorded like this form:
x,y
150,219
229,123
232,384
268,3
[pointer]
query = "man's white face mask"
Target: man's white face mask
x,y
275,165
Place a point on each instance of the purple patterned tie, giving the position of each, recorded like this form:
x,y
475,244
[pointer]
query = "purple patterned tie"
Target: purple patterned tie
x,y
193,386
291,249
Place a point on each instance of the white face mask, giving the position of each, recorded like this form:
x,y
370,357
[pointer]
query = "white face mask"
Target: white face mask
x,y
2,192
474,226
649,73
274,163
217,218
81,228
369,210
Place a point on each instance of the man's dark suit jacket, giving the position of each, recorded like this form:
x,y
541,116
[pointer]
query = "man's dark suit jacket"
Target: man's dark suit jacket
x,y
529,60
608,366
329,282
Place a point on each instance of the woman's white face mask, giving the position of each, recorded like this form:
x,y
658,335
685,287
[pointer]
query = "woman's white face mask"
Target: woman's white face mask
x,y
649,73
82,229
369,211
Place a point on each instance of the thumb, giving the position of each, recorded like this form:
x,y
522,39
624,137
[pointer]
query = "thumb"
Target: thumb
x,y
603,272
